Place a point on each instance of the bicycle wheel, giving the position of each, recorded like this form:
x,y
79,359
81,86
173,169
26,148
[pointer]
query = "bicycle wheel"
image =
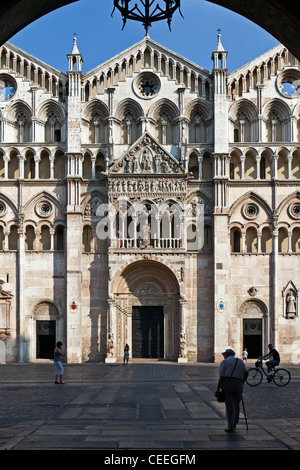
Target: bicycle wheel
x,y
255,377
281,377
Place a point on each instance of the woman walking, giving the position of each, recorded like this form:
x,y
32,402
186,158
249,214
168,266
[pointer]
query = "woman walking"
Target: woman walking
x,y
59,370
126,353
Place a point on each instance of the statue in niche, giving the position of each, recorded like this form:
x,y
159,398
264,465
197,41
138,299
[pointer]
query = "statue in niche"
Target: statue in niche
x,y
111,350
87,211
182,345
291,304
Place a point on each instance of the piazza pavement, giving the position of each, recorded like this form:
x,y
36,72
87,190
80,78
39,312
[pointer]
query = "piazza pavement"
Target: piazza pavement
x,y
145,408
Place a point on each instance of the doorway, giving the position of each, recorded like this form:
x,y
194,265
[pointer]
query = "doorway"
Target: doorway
x,y
45,339
252,337
147,332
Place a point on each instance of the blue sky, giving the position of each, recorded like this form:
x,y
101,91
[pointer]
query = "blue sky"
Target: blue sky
x,y
100,36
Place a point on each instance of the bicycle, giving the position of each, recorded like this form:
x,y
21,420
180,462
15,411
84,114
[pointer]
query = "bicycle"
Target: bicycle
x,y
280,377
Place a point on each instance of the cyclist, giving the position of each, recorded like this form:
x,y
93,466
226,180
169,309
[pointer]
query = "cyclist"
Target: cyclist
x,y
275,358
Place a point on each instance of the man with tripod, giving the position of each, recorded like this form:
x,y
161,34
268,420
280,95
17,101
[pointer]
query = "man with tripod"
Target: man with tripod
x,y
233,374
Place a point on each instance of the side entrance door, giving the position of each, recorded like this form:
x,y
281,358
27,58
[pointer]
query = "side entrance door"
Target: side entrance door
x,y
147,332
45,339
252,337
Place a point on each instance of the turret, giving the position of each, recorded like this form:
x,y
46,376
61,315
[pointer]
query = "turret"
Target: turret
x,y
74,72
219,56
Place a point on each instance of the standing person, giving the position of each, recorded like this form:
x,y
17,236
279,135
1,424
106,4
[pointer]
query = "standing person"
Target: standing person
x,y
232,375
126,353
245,355
59,370
275,361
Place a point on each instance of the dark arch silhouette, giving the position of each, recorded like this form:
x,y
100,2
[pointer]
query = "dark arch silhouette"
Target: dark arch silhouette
x,y
16,14
280,18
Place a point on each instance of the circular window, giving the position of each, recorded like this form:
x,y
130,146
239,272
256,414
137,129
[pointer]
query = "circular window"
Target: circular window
x,y
288,83
146,85
2,208
44,209
250,210
294,210
8,87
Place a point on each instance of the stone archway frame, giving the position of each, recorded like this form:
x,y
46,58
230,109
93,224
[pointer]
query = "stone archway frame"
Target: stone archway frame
x,y
259,310
32,318
270,15
146,282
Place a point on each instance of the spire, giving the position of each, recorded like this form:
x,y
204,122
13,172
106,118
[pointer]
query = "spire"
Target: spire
x,y
75,58
75,48
219,48
219,54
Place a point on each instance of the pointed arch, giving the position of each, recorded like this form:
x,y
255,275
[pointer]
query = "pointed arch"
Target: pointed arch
x,y
255,197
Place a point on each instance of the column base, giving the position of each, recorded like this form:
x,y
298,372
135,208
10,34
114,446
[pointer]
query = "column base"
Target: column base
x,y
110,360
182,359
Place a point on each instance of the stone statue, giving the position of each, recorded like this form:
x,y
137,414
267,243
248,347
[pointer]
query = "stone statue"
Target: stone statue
x,y
182,345
111,350
290,305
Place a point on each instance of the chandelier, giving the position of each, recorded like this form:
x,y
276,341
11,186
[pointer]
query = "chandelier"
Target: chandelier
x,y
150,14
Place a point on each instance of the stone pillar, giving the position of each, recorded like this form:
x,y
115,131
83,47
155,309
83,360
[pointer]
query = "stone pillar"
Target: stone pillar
x,y
21,317
73,287
182,337
36,167
221,287
274,301
111,332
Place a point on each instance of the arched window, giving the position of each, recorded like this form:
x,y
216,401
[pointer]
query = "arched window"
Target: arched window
x,y
207,168
282,165
59,238
235,240
23,129
13,238
29,238
2,167
250,166
2,238
59,165
235,166
164,129
87,166
262,168
236,135
52,128
266,240
45,240
13,165
44,166
296,240
193,166
29,166
296,165
87,239
251,240
100,166
197,129
208,239
283,244
266,165
191,237
129,129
